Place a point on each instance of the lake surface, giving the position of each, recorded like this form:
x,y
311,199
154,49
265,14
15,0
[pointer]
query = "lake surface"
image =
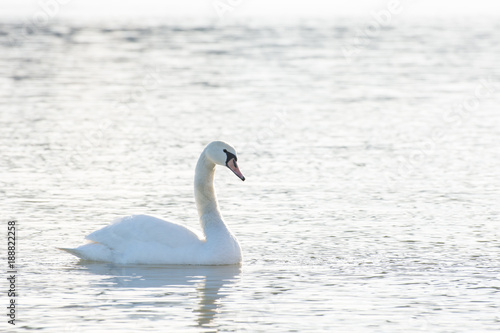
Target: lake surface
x,y
372,166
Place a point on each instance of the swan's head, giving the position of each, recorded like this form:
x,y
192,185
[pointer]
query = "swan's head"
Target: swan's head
x,y
222,153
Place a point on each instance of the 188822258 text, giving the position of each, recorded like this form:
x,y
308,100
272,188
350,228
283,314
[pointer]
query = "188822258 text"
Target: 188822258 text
x,y
11,271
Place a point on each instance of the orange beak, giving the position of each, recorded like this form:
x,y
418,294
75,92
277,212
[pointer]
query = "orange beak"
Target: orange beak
x,y
231,164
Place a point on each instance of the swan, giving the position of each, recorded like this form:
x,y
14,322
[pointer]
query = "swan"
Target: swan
x,y
144,239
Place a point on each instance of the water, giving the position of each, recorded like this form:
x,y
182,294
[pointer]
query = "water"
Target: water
x,y
371,200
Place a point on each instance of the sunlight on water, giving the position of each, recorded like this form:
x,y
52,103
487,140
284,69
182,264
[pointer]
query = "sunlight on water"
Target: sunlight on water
x,y
371,200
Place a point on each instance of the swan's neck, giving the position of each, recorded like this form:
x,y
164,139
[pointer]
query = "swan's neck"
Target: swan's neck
x,y
204,194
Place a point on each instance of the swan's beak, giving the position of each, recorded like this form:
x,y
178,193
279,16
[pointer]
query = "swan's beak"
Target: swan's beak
x,y
231,164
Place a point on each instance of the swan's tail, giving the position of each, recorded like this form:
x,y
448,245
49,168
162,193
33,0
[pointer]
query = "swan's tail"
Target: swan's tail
x,y
74,252
92,252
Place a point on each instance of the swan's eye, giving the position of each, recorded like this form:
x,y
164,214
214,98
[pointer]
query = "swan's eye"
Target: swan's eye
x,y
230,156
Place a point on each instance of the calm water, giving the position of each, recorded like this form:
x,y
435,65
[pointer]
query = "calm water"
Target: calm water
x,y
371,200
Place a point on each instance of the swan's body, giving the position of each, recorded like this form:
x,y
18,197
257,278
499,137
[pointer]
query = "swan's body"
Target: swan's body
x,y
143,239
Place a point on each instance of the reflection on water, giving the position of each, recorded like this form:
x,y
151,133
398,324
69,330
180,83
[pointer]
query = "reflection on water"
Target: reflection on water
x,y
207,280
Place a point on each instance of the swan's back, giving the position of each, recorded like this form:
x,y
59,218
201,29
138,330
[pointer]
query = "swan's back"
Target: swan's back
x,y
141,239
144,229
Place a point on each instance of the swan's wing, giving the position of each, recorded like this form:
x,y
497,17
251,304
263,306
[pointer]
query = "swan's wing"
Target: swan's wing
x,y
131,230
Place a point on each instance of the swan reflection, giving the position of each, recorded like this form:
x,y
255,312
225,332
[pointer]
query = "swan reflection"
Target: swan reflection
x,y
207,281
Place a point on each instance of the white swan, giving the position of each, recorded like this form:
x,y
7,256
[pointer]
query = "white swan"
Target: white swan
x,y
143,239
